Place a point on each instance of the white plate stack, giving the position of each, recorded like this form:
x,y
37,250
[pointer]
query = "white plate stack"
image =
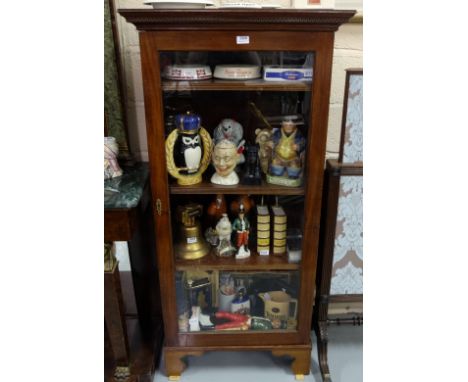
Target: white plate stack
x,y
178,4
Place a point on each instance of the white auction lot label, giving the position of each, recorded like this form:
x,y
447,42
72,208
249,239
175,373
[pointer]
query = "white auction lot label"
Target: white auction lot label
x,y
243,39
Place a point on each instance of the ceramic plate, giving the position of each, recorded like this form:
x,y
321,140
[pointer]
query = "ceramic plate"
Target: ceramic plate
x,y
236,72
177,4
187,72
271,6
241,4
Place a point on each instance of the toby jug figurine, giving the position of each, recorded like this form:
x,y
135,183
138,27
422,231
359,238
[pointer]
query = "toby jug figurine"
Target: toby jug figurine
x,y
288,155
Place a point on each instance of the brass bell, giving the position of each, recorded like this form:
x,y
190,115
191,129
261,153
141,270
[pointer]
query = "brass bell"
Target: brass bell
x,y
191,245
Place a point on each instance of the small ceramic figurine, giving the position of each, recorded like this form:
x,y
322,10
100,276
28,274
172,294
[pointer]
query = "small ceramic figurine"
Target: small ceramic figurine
x,y
111,151
232,131
194,321
188,149
211,236
214,212
224,159
242,228
226,291
245,201
183,322
288,150
241,302
264,140
224,231
252,167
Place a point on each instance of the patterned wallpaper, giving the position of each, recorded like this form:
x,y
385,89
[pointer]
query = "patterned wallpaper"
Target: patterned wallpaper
x,y
113,107
348,254
352,143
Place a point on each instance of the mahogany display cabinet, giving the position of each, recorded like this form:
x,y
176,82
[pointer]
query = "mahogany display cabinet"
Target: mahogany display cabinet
x,y
274,290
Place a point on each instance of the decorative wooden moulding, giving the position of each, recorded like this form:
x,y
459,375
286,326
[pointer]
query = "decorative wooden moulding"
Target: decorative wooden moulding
x,y
238,19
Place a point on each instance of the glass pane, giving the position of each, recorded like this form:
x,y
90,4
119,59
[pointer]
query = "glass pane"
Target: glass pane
x,y
237,125
236,301
259,90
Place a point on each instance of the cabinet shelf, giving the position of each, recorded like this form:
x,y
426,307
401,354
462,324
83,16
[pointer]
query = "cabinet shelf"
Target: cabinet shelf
x,y
208,188
235,85
237,332
253,263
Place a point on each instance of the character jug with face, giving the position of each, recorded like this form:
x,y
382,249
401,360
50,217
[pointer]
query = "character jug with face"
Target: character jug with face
x,y
288,155
225,157
188,150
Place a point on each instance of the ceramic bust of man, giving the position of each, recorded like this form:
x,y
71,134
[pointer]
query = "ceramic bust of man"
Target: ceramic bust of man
x,y
225,158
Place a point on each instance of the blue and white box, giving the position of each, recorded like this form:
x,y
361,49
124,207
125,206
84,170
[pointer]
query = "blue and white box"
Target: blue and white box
x,y
286,73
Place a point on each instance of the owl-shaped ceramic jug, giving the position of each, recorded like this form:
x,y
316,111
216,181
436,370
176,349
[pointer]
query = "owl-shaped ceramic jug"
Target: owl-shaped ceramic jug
x,y
188,149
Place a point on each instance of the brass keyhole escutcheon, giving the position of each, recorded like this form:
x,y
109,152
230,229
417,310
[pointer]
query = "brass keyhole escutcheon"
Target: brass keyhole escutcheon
x,y
158,206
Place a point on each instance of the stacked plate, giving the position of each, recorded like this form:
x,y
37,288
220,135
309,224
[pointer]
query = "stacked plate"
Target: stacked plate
x,y
177,4
239,4
237,72
187,72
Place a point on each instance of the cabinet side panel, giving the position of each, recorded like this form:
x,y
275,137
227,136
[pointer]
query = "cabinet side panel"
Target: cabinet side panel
x,y
159,186
314,176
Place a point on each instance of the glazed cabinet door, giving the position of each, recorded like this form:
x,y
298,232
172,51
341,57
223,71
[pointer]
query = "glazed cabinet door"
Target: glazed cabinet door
x,y
236,133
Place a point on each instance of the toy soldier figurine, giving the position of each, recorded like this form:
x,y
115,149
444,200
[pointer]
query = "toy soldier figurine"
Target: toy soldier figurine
x,y
242,227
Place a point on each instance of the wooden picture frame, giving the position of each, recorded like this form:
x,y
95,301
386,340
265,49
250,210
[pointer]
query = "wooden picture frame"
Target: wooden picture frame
x,y
326,266
351,142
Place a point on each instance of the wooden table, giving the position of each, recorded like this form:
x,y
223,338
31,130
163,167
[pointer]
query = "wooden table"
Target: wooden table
x,y
134,341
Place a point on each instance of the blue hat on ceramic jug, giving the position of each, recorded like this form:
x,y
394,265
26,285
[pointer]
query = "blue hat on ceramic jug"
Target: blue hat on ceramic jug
x,y
188,123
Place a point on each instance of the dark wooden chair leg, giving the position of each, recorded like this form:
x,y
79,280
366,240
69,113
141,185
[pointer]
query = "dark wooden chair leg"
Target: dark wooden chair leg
x,y
322,347
115,322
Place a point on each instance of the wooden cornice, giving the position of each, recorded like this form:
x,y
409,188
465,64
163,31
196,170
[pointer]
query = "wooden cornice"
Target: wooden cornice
x,y
237,19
